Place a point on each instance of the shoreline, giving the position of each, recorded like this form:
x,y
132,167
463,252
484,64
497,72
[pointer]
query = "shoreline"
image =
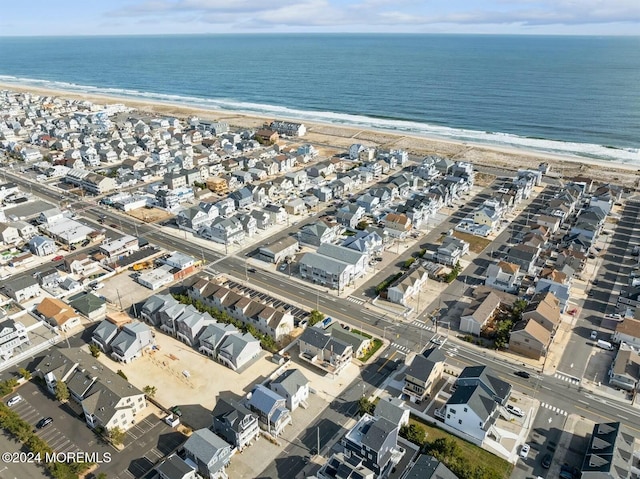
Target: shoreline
x,y
340,137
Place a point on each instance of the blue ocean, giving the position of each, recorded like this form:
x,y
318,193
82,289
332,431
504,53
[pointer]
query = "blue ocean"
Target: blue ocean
x,y
571,95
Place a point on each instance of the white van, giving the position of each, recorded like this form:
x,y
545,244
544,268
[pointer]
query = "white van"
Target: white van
x,y
605,345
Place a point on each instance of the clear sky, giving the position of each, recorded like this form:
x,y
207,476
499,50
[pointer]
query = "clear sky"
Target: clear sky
x,y
117,17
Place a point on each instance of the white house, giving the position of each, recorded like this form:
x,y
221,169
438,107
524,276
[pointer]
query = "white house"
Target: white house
x,y
293,386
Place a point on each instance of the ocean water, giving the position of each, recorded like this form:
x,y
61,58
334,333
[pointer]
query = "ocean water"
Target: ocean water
x,y
572,95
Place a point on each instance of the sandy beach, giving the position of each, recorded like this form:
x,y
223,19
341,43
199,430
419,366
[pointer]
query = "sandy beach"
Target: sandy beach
x,y
337,138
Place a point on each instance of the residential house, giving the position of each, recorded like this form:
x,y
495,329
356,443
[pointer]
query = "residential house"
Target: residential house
x,y
423,374
393,410
627,331
224,230
131,342
174,467
340,466
90,305
428,467
277,213
625,369
503,276
208,454
524,256
103,335
544,308
359,344
193,219
279,250
397,225
13,335
22,288
552,223
451,250
488,216
610,453
479,313
270,408
9,234
318,233
212,337
295,207
556,282
293,386
235,423
324,351
242,198
365,241
42,246
263,219
530,339
333,265
237,350
350,215
407,286
375,442
58,314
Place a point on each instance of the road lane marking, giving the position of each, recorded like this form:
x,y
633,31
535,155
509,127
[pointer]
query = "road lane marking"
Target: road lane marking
x,y
388,359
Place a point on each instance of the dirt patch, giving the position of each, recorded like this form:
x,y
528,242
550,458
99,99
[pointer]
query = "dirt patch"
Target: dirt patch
x,y
483,179
150,215
476,243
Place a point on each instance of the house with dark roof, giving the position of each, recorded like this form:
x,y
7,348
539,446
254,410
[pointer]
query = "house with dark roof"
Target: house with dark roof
x,y
375,442
106,398
235,423
270,408
428,467
524,256
213,336
90,305
208,454
423,374
131,342
497,389
22,288
609,453
319,348
343,466
174,467
293,387
393,410
470,410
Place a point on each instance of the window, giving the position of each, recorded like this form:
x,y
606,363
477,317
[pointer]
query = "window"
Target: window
x,y
459,421
448,416
453,411
465,409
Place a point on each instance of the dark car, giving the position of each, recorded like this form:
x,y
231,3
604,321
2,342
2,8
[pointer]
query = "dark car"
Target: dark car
x,y
176,410
44,422
251,270
546,461
523,374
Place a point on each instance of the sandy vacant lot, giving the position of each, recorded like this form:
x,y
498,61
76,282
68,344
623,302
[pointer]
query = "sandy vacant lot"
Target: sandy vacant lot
x,y
187,378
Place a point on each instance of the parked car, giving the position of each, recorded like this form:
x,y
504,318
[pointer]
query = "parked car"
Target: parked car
x,y
251,270
523,374
594,334
176,410
516,411
14,400
614,317
524,451
546,461
58,258
44,422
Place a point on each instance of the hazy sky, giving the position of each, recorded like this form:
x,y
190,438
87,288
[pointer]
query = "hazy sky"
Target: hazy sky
x,y
75,17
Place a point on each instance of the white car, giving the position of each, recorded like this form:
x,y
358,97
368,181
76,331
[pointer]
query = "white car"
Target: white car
x,y
614,317
524,451
516,411
14,400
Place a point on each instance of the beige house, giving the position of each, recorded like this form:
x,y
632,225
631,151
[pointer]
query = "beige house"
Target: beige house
x,y
58,314
479,313
544,308
529,338
627,331
397,225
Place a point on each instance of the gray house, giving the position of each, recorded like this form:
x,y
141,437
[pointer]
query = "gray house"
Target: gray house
x,y
189,326
103,335
22,288
375,442
208,453
235,423
42,246
270,408
242,198
212,337
129,344
293,387
237,350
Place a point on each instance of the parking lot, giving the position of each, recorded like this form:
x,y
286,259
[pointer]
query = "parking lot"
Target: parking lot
x,y
298,314
145,443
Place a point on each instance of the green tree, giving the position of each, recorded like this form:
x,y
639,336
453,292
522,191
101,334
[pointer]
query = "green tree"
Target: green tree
x,y
150,391
94,349
445,449
122,374
24,373
315,317
102,475
116,435
413,433
362,225
407,264
365,406
62,391
519,305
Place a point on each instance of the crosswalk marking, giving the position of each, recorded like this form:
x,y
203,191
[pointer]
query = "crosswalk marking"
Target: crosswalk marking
x,y
355,300
401,347
562,377
422,325
553,408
